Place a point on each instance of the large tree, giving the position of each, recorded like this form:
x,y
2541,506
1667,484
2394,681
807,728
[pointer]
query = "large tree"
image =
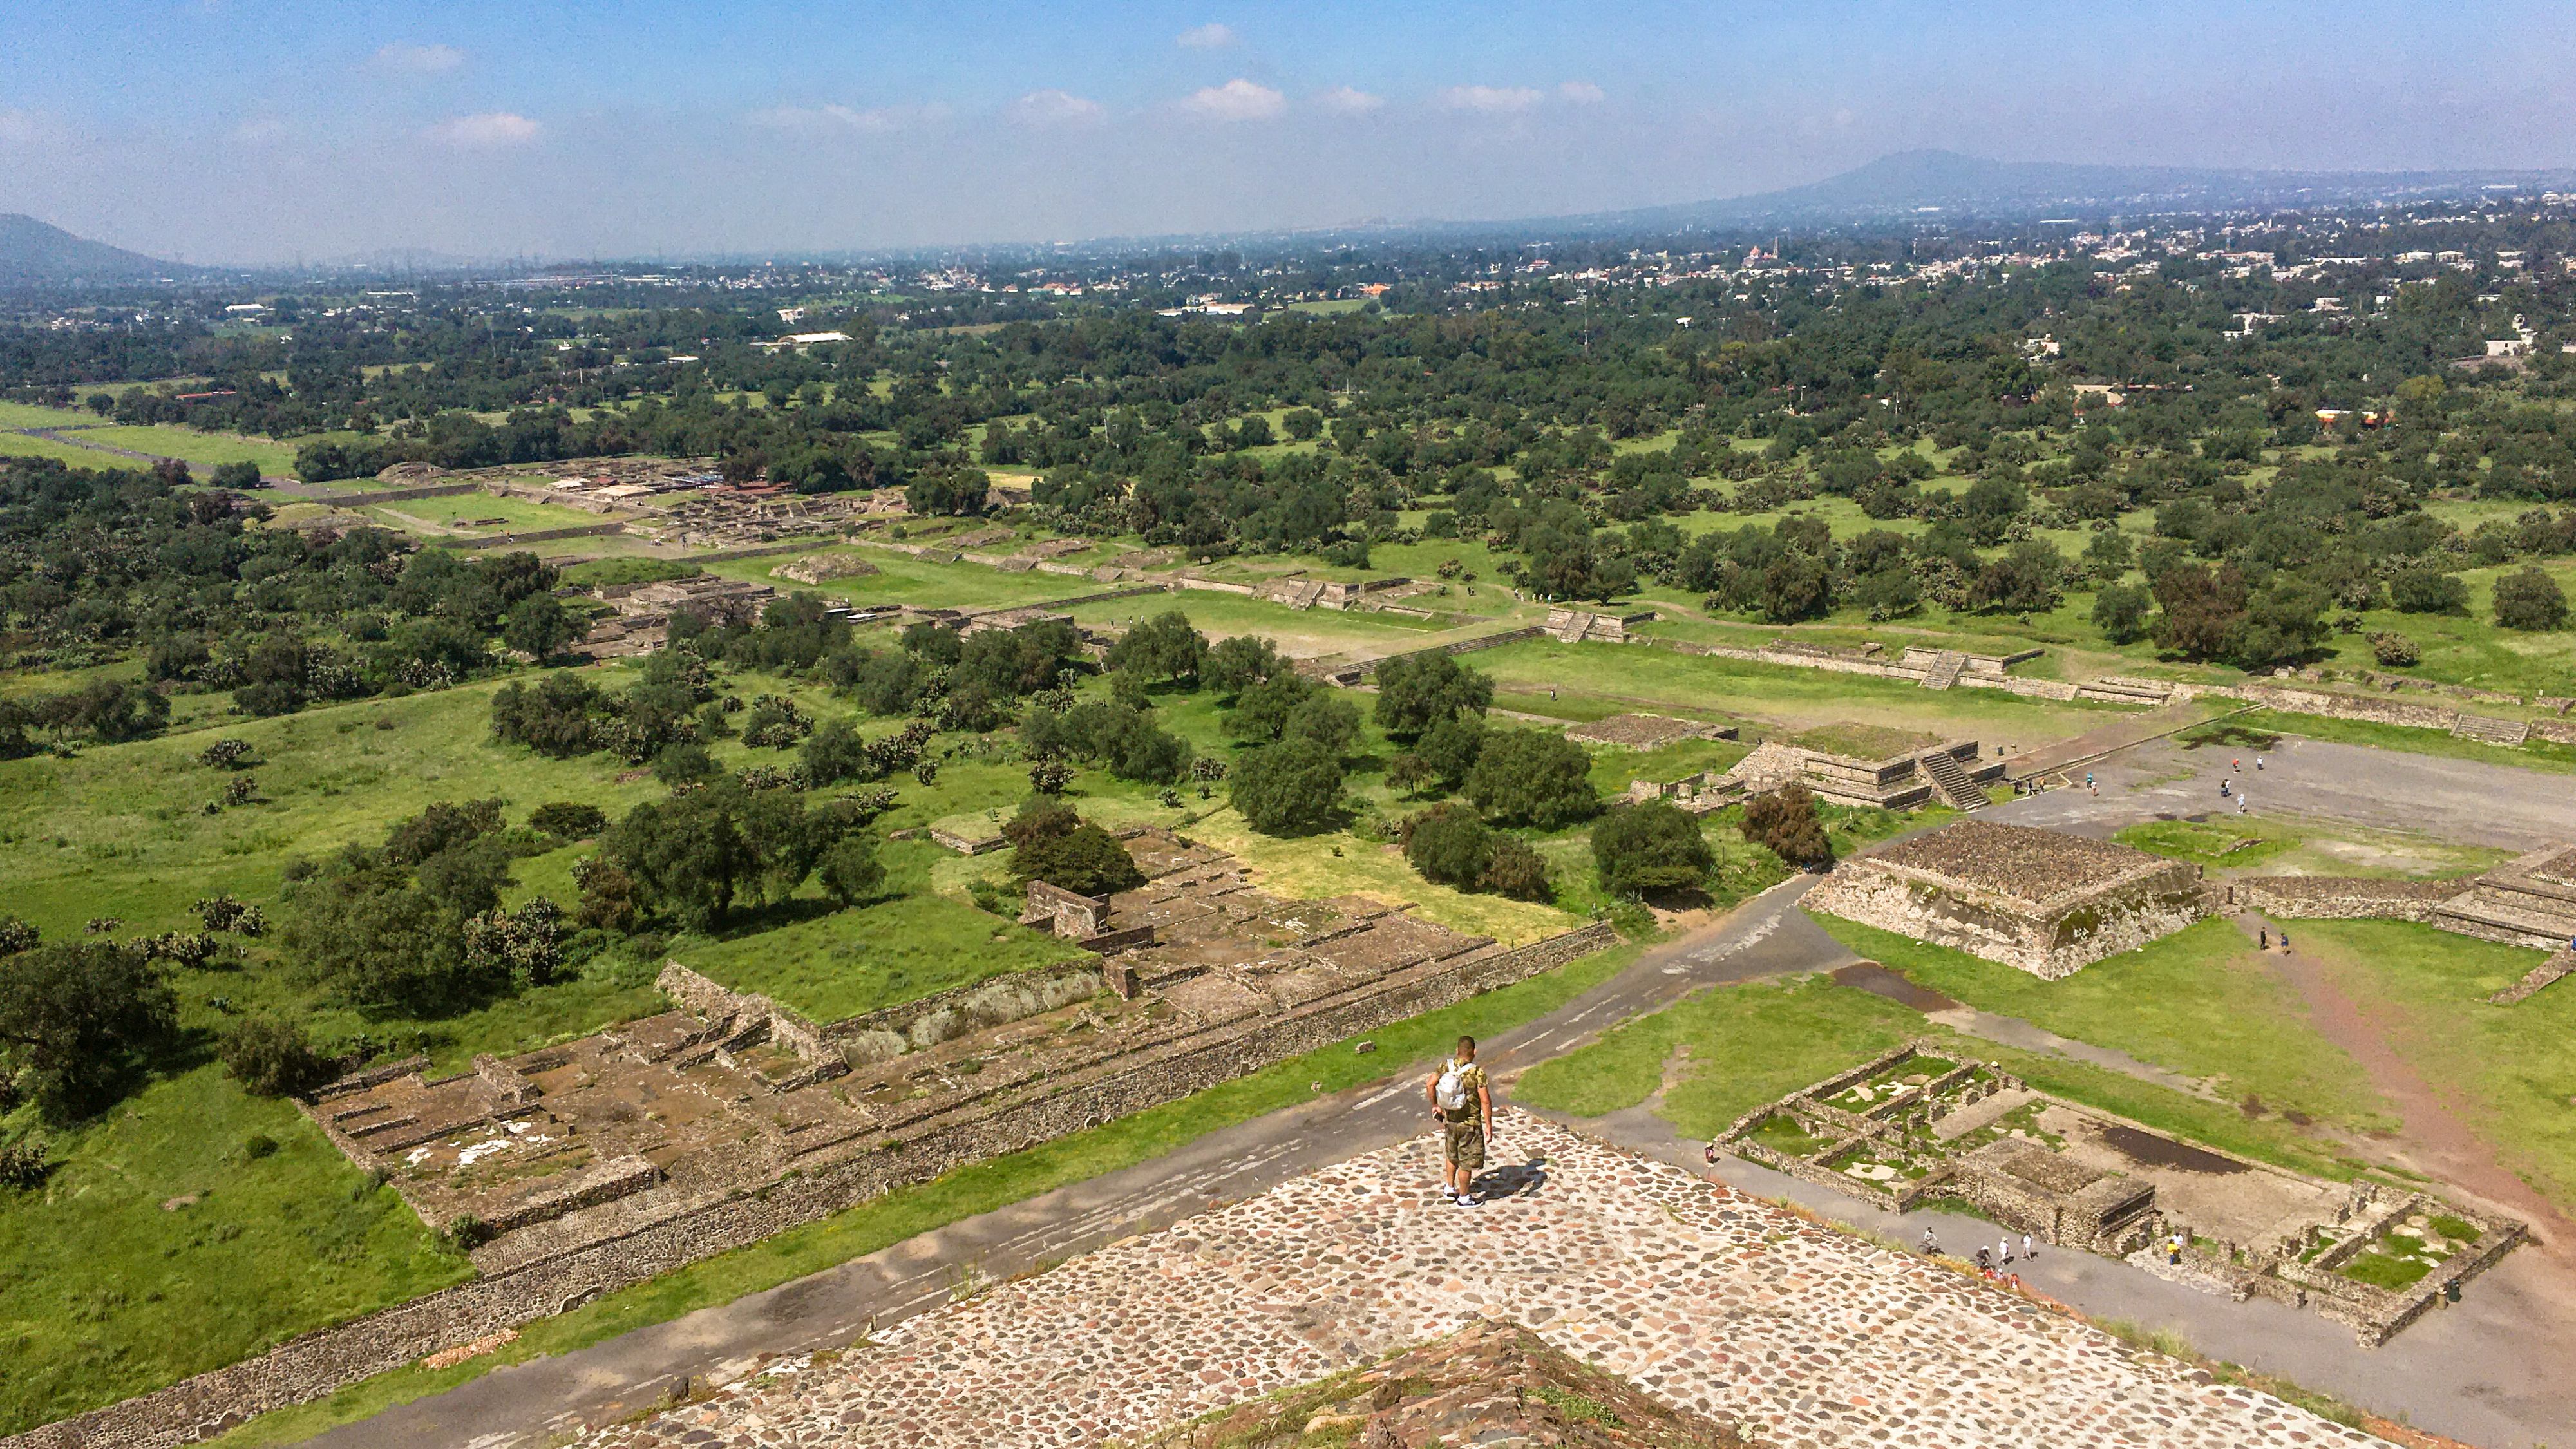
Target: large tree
x,y
1418,691
1650,847
1290,788
80,1018
1533,777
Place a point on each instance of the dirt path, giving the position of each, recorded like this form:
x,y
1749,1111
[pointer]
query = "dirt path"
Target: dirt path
x,y
2434,1137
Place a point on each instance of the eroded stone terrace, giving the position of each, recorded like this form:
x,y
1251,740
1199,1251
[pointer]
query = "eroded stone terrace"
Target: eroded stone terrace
x,y
2017,862
1708,1299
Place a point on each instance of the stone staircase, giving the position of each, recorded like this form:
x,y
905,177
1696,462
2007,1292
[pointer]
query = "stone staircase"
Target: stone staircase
x,y
2512,912
2487,730
1946,668
1297,593
2561,963
1949,780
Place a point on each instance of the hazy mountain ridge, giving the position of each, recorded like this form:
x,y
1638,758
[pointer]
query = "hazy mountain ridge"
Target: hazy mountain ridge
x,y
34,252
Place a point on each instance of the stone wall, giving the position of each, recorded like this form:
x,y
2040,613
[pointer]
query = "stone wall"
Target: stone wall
x,y
2332,898
2119,918
318,1363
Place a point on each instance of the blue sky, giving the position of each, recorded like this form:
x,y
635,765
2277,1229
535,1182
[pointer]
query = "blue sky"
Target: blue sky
x,y
255,130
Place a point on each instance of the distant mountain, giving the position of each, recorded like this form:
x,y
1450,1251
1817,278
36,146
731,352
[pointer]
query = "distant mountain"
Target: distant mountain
x,y
35,253
1935,185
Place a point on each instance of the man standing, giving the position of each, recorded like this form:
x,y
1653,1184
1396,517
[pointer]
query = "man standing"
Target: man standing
x,y
1466,1111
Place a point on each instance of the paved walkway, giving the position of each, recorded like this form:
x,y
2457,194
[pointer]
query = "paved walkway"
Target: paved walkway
x,y
1701,1295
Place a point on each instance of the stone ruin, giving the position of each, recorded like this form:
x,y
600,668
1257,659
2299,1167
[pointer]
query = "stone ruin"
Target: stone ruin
x,y
642,623
1645,731
681,1118
2039,900
2527,901
1913,1126
1952,774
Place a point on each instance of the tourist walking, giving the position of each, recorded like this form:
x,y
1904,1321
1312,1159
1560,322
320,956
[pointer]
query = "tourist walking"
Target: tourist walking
x,y
2027,1251
1985,1266
1930,1247
2003,1251
1466,1110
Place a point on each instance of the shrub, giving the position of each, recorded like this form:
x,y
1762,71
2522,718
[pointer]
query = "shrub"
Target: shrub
x,y
271,1057
2394,650
1234,665
850,870
1516,871
79,1018
1532,777
1418,691
258,1145
2120,612
225,754
2530,600
567,820
1085,860
24,1164
2428,591
1442,758
1449,844
1785,823
17,934
1650,847
1166,646
1289,788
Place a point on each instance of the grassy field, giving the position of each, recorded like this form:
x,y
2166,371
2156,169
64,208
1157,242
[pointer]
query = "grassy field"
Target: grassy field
x,y
2506,1067
1730,1049
980,1188
2531,755
1783,696
911,943
203,450
463,514
2197,1002
2307,847
169,1242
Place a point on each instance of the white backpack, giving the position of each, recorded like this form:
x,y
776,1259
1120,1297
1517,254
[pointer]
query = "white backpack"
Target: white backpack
x,y
1451,1090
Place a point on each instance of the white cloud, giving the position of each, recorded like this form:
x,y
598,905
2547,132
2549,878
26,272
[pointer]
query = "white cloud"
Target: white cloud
x,y
1349,101
1056,108
1582,93
260,131
839,119
487,129
20,125
420,59
1238,100
1495,100
1210,36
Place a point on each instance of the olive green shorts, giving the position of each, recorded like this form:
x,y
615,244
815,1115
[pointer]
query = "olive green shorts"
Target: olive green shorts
x,y
1466,1144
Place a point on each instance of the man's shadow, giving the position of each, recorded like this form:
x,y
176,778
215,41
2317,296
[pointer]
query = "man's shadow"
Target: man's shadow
x,y
1522,1179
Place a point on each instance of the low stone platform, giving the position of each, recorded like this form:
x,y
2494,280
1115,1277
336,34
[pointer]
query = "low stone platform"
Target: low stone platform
x,y
2041,900
1704,1299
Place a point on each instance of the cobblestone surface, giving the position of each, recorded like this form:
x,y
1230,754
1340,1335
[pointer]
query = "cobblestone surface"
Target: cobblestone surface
x,y
1703,1297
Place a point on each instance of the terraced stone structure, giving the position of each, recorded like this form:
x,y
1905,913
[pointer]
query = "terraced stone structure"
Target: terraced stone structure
x,y
1912,1127
2040,900
587,1141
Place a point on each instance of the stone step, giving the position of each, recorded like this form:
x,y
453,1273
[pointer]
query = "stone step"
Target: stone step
x,y
2473,917
1951,782
1946,669
2560,963
2488,730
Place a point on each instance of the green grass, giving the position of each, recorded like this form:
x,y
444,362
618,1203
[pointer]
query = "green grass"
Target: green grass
x,y
2198,1002
462,514
19,445
2532,755
2226,841
2507,1068
103,1293
1863,741
910,944
982,1187
1666,681
1757,1042
203,450
1612,769
29,415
